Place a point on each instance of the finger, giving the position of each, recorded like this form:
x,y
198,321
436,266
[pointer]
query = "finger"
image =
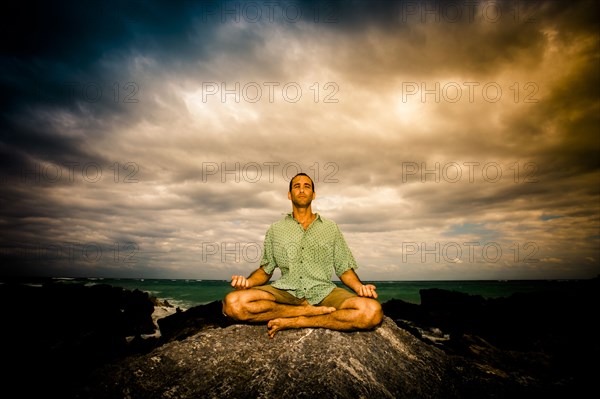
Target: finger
x,y
242,283
369,291
237,281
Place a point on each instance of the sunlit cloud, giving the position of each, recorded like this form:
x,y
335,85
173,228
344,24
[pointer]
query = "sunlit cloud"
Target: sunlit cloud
x,y
158,140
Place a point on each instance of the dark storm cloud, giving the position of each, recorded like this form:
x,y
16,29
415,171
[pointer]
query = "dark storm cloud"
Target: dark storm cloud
x,y
107,133
50,63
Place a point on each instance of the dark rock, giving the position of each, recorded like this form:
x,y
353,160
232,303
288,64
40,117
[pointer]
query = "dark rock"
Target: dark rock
x,y
526,345
56,333
160,302
183,324
451,311
534,343
240,361
399,309
137,311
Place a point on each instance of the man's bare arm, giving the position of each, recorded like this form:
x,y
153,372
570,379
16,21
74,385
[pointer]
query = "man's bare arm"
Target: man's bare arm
x,y
258,277
351,280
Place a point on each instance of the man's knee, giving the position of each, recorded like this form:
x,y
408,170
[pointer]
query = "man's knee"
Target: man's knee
x,y
371,313
242,305
233,305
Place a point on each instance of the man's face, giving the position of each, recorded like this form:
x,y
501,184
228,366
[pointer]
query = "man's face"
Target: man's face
x,y
302,193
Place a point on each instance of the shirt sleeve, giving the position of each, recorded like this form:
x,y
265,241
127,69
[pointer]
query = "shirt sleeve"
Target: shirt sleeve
x,y
342,256
268,260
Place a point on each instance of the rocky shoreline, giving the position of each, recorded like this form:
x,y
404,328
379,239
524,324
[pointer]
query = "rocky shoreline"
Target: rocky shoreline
x,y
103,342
529,344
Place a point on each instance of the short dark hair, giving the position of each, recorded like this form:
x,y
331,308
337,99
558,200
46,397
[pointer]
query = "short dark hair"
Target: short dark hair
x,y
302,174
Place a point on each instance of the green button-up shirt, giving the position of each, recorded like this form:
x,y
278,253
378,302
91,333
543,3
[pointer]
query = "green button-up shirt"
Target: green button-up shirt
x,y
306,258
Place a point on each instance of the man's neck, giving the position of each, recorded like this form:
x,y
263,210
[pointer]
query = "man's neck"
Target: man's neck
x,y
302,215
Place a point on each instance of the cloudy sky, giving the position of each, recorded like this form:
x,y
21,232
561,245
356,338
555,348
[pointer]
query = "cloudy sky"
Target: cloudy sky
x,y
449,140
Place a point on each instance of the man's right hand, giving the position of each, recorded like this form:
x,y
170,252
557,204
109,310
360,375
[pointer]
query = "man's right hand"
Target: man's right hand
x,y
240,282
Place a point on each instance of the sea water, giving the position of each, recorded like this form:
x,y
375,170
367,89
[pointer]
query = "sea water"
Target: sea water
x,y
186,293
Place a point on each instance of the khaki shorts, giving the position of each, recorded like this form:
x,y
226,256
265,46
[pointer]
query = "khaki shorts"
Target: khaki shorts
x,y
335,299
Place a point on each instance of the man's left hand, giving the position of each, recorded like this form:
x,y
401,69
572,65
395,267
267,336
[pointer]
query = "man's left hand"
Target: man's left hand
x,y
367,290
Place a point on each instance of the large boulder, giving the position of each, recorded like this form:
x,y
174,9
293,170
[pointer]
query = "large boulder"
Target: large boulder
x,y
183,324
54,334
241,361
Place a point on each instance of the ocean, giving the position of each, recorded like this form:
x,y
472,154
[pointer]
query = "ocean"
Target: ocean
x,y
188,293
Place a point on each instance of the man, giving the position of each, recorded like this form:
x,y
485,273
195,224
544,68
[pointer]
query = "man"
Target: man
x,y
308,249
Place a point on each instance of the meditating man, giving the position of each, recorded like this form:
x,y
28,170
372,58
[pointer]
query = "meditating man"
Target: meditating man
x,y
307,248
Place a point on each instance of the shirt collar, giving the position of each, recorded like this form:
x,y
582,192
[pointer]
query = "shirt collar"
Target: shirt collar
x,y
291,216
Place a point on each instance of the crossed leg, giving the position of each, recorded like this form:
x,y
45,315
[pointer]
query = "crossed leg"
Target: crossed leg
x,y
259,306
356,313
253,305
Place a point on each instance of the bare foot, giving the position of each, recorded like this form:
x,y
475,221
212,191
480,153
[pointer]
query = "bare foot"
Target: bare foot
x,y
284,323
281,324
